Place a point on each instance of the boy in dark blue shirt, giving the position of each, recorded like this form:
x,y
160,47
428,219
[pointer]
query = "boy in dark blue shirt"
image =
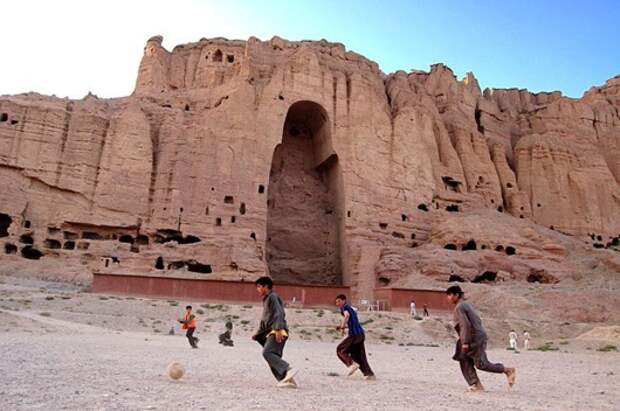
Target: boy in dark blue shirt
x,y
351,350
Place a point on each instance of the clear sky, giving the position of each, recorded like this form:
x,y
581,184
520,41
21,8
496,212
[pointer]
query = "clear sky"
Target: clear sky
x,y
68,47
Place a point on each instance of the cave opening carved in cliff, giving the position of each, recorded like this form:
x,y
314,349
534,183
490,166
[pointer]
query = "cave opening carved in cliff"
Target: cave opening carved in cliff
x,y
305,201
5,223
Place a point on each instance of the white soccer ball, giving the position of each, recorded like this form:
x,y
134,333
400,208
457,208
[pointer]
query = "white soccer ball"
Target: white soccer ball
x,y
175,370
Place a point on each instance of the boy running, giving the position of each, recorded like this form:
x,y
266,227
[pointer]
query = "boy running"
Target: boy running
x,y
351,350
472,343
273,333
189,323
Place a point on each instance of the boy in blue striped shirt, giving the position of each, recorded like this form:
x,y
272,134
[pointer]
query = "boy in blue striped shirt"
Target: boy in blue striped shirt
x,y
351,350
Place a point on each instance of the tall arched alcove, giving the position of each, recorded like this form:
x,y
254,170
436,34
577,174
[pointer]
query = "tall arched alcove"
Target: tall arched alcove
x,y
304,217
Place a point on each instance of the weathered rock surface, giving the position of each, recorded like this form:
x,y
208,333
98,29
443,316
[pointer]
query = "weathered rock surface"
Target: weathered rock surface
x,y
302,159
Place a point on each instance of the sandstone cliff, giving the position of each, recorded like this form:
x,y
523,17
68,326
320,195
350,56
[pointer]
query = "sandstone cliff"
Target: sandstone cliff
x,y
303,159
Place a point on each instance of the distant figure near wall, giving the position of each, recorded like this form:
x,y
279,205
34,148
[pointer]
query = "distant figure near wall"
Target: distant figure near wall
x,y
512,340
526,340
225,337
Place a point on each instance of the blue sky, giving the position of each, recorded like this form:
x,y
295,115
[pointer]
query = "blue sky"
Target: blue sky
x,y
68,47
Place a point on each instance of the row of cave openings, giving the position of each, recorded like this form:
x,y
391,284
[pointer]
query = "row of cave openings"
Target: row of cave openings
x,y
166,235
472,246
406,217
187,106
27,251
599,242
229,199
4,118
27,248
487,277
219,57
71,240
191,265
162,236
454,208
450,184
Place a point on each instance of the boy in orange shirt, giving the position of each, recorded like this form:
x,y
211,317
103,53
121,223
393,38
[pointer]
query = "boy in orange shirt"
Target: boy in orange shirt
x,y
188,322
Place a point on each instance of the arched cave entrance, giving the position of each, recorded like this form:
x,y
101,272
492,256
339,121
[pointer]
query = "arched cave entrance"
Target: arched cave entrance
x,y
5,223
305,201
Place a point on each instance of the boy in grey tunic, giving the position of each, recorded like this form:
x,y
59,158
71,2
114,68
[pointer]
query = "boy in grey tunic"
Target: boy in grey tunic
x,y
273,333
471,346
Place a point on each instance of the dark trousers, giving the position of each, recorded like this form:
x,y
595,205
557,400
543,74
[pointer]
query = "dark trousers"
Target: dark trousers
x,y
190,337
352,349
272,353
476,357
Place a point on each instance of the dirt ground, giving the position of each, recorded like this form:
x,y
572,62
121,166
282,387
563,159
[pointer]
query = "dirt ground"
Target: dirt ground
x,y
63,348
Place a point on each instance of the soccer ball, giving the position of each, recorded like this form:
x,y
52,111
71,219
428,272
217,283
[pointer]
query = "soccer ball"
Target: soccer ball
x,y
175,370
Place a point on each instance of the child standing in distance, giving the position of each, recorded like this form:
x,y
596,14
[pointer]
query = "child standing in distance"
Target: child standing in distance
x,y
512,340
526,340
273,333
351,350
472,343
426,314
188,322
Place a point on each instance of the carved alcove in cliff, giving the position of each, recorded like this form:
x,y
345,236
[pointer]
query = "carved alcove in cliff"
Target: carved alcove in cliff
x,y
305,205
5,223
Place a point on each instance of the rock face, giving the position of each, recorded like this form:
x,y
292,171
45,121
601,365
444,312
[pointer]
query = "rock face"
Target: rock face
x,y
304,160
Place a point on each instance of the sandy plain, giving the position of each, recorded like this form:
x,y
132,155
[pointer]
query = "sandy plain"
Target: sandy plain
x,y
63,348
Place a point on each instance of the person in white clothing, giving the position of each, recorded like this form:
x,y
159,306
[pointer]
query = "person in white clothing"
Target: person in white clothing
x,y
512,338
526,340
412,308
